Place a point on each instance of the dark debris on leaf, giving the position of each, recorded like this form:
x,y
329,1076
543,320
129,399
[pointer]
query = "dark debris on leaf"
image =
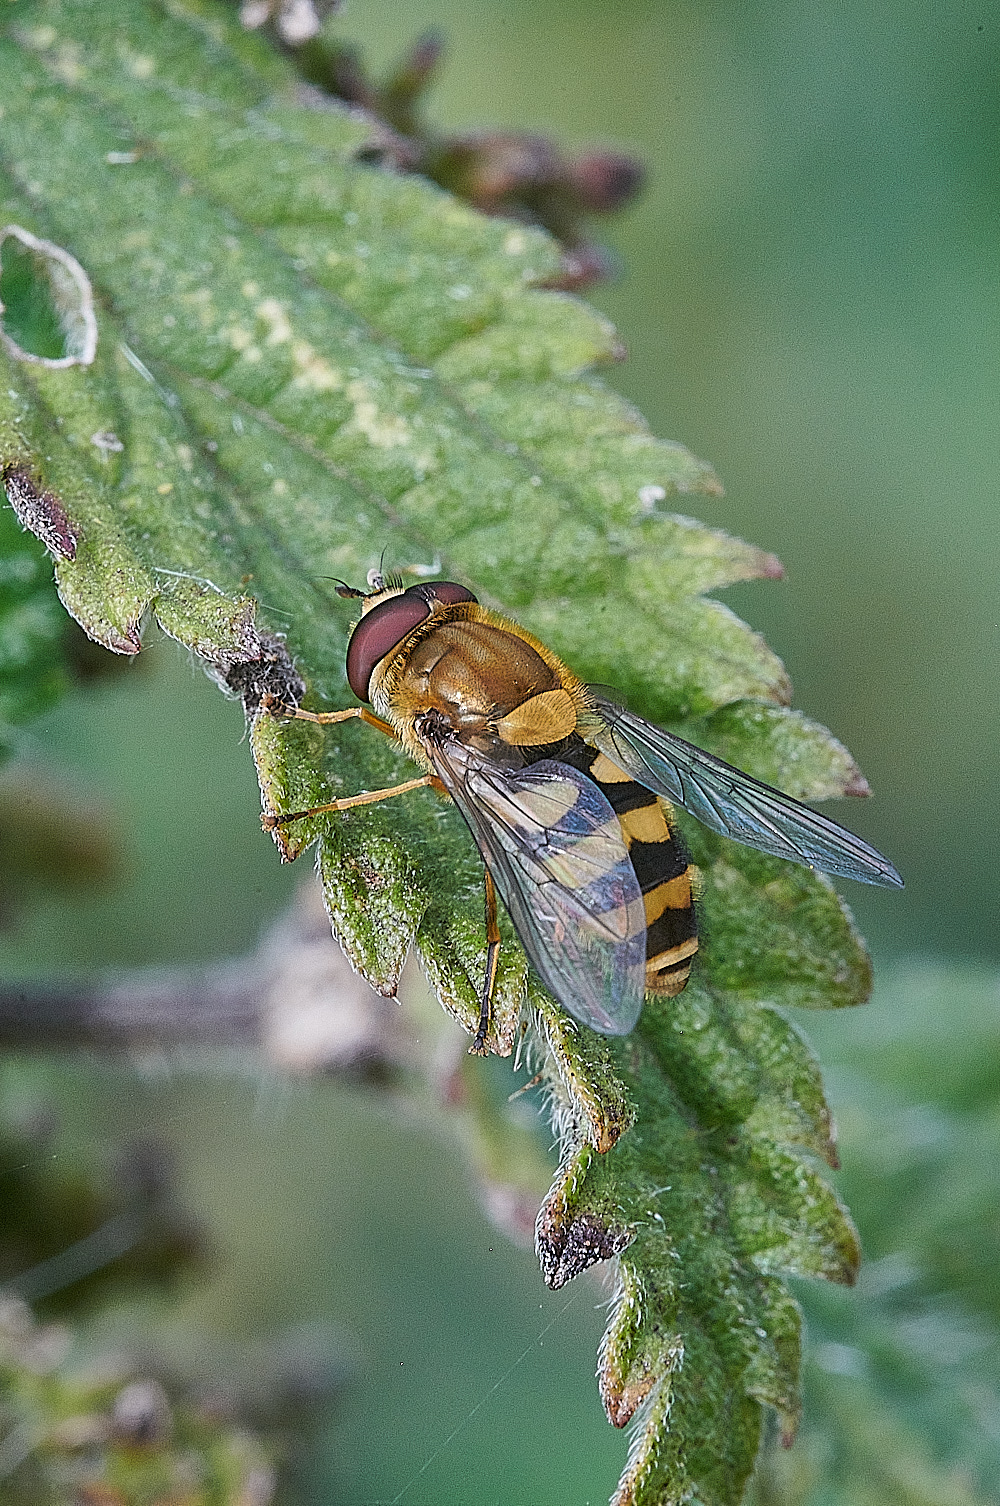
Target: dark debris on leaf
x,y
568,1246
40,512
273,673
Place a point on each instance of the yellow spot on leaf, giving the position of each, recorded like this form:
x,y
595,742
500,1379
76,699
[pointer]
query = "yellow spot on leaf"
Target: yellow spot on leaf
x,y
387,431
67,63
272,313
238,336
200,299
313,371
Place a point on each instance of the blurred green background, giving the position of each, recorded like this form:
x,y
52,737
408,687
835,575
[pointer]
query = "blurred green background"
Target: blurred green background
x,y
809,297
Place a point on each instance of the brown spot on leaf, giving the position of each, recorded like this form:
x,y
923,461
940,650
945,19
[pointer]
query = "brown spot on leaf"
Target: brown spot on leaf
x,y
611,1119
857,785
622,1401
568,1245
127,642
41,512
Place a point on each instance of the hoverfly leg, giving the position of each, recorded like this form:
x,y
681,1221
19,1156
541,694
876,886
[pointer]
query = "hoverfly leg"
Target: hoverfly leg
x,y
370,797
276,708
478,1047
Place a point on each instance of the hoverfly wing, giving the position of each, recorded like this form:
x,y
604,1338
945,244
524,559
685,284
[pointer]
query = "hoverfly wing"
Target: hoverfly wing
x,y
731,802
554,848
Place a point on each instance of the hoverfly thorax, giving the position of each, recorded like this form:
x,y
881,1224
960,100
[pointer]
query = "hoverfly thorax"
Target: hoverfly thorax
x,y
494,688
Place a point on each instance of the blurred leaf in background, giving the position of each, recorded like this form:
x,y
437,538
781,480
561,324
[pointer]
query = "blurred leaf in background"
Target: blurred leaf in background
x,y
903,1375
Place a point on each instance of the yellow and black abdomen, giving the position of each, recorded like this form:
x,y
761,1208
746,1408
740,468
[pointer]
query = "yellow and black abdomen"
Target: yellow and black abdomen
x,y
661,866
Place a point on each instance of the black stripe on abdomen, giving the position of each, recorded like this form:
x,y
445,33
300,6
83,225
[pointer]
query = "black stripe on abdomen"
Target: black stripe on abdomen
x,y
656,861
661,866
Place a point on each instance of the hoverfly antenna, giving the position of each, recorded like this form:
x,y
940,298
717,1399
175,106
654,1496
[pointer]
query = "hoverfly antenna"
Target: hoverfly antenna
x,y
376,579
343,589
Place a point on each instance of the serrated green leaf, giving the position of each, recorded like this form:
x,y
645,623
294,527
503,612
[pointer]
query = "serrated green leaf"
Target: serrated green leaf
x,y
303,363
711,1199
900,1375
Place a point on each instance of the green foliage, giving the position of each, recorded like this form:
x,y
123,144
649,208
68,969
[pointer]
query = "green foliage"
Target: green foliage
x,y
303,363
901,1377
32,630
107,1433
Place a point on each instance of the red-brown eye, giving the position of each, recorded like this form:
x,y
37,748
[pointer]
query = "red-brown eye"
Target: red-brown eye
x,y
386,625
377,634
445,591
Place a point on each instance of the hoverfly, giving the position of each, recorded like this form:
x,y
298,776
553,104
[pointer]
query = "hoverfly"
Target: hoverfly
x,y
566,794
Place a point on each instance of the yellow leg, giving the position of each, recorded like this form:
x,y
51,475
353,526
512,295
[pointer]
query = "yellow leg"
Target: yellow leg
x,y
270,822
273,707
276,708
478,1047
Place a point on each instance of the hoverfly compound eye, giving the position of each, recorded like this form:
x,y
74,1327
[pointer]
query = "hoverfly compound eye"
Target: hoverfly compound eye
x,y
387,624
377,634
447,592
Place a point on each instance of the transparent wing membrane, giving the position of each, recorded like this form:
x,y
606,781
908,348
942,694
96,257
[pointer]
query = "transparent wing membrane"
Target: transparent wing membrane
x,y
731,802
557,857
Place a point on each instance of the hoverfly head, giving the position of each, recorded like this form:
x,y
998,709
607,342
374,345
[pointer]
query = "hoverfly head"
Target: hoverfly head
x,y
388,615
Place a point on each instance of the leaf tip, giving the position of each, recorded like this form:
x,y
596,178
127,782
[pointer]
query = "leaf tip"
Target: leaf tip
x,y
622,1399
857,784
569,1239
